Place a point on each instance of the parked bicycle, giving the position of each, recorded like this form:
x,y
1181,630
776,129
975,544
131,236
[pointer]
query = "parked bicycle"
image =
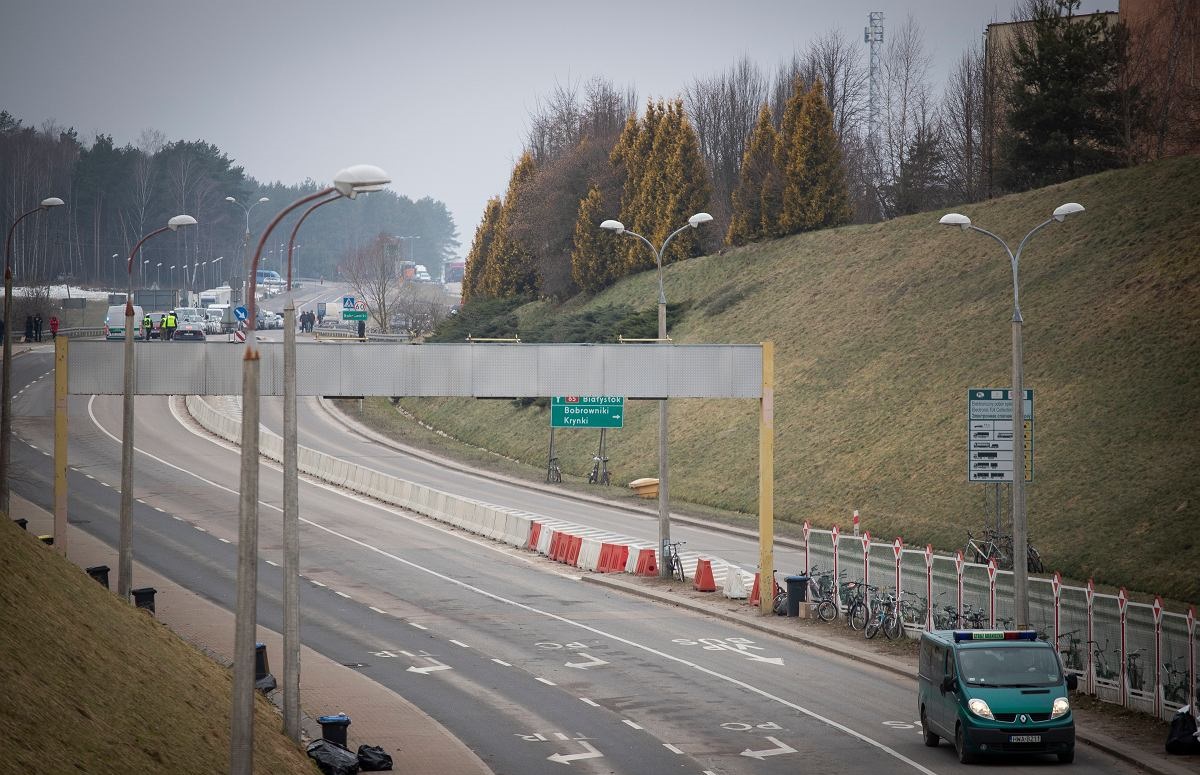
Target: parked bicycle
x,y
857,604
998,547
1133,670
599,472
1175,682
1100,662
1074,655
553,471
821,585
883,616
674,562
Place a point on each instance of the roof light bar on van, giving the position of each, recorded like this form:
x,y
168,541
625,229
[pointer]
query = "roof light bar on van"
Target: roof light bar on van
x,y
962,635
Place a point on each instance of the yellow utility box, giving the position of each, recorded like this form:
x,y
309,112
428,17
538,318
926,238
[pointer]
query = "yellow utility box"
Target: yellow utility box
x,y
645,488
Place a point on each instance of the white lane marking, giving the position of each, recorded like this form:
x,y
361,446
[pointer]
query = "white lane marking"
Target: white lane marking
x,y
780,748
269,562
159,509
563,758
177,519
556,617
546,681
459,643
317,583
341,594
377,610
592,662
671,748
202,530
429,669
633,724
225,540
502,662
593,703
419,626
89,476
106,484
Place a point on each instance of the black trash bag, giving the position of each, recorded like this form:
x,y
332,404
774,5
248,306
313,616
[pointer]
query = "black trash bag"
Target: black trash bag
x,y
331,758
1181,738
372,758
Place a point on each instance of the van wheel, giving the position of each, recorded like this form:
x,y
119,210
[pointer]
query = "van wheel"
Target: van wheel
x,y
930,738
960,746
1067,756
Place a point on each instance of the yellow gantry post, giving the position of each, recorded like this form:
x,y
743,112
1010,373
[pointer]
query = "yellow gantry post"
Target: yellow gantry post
x,y
60,444
766,481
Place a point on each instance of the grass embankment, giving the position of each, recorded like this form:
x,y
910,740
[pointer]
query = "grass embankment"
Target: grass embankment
x,y
879,331
94,685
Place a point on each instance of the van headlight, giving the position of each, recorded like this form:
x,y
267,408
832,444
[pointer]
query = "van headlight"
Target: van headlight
x,y
1061,707
981,709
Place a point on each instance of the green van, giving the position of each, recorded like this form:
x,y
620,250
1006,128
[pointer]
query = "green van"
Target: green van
x,y
993,692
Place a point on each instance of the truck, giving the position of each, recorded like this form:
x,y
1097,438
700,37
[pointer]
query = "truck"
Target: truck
x,y
215,296
452,278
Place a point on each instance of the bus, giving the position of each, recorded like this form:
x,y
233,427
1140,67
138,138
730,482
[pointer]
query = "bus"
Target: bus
x,y
267,277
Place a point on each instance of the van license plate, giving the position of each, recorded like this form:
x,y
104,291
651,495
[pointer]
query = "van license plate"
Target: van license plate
x,y
1025,738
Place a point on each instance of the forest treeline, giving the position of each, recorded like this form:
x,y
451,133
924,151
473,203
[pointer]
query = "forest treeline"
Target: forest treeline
x,y
768,155
116,194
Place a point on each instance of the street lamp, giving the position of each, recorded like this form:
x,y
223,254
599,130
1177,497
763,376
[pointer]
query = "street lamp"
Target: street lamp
x,y
6,390
115,256
216,271
664,515
246,234
349,183
125,547
1020,527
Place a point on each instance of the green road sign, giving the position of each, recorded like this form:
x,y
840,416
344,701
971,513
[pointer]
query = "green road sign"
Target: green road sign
x,y
587,411
354,314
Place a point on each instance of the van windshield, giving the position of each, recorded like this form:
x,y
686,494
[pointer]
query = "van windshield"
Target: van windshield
x,y
1009,666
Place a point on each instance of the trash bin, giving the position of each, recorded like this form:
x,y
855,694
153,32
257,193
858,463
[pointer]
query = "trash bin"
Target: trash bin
x,y
99,573
333,728
797,593
143,597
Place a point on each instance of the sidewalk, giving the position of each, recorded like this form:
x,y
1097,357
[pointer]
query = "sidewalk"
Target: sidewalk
x,y
1113,732
379,716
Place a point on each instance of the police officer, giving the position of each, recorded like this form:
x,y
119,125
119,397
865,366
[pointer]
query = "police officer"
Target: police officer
x,y
169,321
147,326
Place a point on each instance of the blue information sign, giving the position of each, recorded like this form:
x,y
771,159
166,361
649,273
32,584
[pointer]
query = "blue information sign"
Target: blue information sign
x,y
240,313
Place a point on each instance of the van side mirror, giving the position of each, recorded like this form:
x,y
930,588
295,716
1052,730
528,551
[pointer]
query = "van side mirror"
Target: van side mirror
x,y
1072,682
947,683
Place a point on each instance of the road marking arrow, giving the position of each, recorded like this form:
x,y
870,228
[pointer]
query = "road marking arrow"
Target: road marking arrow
x,y
757,658
585,665
436,666
760,755
564,758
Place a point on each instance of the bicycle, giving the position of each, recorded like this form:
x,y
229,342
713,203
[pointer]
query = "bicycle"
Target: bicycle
x,y
1103,671
1175,683
553,471
599,472
673,561
883,616
982,551
822,585
857,606
1133,671
1074,655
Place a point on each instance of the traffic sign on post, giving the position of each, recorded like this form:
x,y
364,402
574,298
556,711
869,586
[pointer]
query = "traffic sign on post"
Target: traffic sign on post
x,y
353,314
990,435
347,302
587,411
241,313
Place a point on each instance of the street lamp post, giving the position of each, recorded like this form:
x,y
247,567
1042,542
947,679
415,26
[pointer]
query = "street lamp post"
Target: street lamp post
x,y
664,514
115,256
246,234
6,380
125,547
1020,525
216,272
349,182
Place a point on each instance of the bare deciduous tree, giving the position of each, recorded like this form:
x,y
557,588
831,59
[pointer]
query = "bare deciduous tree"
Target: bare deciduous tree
x,y
371,271
906,101
962,125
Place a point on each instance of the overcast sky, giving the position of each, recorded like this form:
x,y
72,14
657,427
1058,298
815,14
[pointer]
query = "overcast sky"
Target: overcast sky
x,y
437,93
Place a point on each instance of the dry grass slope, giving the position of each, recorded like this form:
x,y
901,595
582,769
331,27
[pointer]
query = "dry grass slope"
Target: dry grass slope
x,y
879,330
93,685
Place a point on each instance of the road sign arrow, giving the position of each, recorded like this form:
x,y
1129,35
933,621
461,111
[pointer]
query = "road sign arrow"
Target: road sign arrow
x,y
757,658
565,758
760,755
585,665
430,669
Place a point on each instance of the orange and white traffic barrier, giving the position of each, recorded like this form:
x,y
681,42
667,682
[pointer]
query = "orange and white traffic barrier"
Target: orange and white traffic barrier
x,y
647,563
703,580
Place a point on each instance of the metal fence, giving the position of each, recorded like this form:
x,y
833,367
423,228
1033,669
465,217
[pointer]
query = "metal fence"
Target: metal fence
x,y
1134,654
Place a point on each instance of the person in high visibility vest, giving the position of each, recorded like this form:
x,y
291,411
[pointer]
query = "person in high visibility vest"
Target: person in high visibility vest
x,y
169,324
147,326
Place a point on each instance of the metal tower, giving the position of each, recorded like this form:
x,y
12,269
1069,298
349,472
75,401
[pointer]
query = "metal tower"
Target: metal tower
x,y
873,34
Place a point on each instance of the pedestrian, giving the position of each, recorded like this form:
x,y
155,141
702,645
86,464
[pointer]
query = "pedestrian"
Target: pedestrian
x,y
37,327
362,329
54,326
169,322
29,328
147,326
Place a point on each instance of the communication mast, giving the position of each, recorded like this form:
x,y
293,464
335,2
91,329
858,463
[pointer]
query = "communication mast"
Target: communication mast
x,y
873,34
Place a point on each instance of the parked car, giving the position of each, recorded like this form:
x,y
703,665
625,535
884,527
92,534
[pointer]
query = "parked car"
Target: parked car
x,y
191,330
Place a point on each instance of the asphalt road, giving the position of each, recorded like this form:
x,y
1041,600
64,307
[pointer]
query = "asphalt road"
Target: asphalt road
x,y
533,669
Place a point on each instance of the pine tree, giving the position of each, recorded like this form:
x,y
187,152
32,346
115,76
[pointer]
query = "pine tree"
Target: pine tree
x,y
480,253
594,258
637,201
511,269
776,223
687,187
814,193
752,206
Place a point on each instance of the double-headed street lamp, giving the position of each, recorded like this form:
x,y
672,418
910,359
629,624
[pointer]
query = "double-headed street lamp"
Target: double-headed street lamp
x,y
125,546
246,234
6,390
664,515
1020,526
349,183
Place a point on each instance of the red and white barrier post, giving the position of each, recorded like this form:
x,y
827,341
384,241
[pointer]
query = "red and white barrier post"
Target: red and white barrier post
x,y
1158,698
837,591
958,567
1056,588
991,567
898,550
856,522
928,586
1191,628
807,558
866,547
1091,636
1122,606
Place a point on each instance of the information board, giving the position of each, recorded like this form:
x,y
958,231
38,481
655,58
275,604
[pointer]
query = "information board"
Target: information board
x,y
990,435
587,411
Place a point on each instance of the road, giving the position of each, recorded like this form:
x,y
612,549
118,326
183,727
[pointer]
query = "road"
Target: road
x,y
533,669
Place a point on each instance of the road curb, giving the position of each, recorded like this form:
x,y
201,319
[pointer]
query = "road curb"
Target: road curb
x,y
1099,742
